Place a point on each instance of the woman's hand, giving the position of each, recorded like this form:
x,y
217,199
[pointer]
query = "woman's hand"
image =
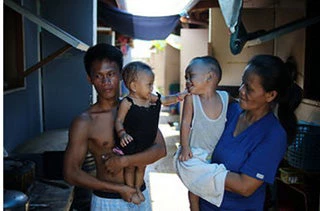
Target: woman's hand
x,y
185,153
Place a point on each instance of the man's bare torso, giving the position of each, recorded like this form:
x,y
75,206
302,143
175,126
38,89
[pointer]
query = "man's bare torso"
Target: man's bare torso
x,y
101,140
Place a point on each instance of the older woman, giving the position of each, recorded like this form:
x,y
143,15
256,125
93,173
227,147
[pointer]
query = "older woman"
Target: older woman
x,y
255,139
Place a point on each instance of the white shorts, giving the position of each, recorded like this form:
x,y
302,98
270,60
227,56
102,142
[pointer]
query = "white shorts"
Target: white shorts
x,y
110,204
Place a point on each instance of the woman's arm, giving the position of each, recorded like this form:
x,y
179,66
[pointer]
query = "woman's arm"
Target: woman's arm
x,y
241,184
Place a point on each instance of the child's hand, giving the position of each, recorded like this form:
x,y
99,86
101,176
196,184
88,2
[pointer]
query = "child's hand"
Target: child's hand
x,y
125,139
185,153
184,93
181,95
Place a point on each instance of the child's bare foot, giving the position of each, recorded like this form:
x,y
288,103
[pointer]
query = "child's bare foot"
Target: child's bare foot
x,y
140,194
136,199
194,207
194,202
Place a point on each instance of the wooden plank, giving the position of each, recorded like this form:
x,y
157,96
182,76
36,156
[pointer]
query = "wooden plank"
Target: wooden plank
x,y
48,26
46,60
50,197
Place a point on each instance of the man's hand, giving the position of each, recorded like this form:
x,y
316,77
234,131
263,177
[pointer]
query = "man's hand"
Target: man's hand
x,y
127,192
113,164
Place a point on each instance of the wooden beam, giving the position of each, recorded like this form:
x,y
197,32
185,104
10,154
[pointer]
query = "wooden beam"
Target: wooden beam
x,y
47,26
206,4
47,60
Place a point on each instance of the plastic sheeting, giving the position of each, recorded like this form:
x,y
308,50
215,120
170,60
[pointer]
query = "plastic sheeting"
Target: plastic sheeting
x,y
231,11
137,27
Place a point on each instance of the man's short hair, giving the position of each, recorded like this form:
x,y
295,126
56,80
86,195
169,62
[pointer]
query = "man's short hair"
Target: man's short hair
x,y
102,51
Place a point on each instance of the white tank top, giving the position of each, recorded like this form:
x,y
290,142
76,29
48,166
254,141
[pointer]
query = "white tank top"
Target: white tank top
x,y
205,132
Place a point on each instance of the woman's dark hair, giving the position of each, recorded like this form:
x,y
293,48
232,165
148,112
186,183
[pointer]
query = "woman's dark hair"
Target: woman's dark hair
x,y
275,75
131,70
297,95
101,52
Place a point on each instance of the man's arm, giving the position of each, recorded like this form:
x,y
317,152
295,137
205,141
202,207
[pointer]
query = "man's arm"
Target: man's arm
x,y
74,157
158,150
155,152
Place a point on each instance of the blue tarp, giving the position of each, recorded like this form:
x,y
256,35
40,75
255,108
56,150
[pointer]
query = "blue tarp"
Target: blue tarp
x,y
137,27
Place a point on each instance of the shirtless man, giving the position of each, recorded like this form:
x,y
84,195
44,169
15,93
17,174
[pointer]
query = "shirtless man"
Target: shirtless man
x,y
93,131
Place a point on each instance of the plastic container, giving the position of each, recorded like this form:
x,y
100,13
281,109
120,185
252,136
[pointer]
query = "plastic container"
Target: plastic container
x,y
304,152
291,176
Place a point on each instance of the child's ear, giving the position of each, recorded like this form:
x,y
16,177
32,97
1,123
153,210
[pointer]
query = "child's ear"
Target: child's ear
x,y
89,79
133,86
210,76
